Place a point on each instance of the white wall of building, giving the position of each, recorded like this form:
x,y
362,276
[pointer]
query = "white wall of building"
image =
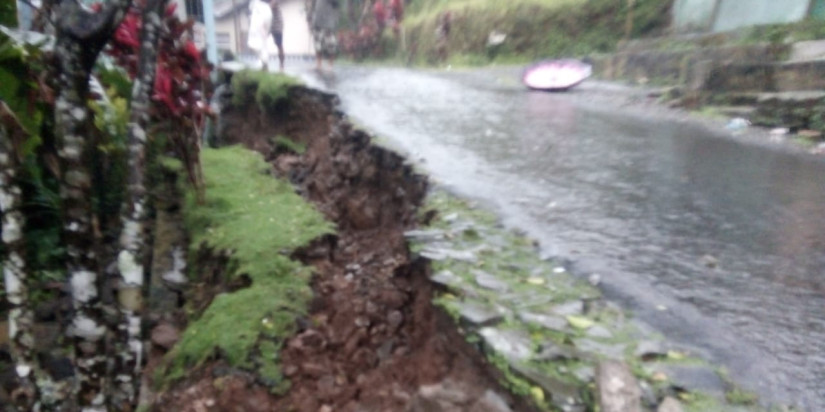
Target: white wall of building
x,y
693,15
297,37
227,37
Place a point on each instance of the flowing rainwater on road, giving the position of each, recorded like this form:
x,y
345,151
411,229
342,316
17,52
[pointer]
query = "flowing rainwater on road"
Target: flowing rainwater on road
x,y
646,202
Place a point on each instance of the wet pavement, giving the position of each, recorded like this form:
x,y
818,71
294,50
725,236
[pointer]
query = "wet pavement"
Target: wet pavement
x,y
715,242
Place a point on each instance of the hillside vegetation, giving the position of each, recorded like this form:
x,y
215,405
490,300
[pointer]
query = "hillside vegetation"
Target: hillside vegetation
x,y
534,29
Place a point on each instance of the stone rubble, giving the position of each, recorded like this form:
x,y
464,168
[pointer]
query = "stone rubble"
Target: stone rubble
x,y
554,332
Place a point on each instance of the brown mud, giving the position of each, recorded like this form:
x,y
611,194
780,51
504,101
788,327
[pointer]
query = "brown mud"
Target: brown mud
x,y
373,341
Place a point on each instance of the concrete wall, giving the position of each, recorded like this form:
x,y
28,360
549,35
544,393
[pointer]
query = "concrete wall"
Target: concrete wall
x,y
688,67
726,15
226,36
734,14
693,15
818,9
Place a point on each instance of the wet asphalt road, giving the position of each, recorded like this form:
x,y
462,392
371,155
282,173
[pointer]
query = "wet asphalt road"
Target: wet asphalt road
x,y
646,200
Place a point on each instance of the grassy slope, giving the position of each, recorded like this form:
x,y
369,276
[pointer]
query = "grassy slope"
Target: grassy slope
x,y
261,220
535,28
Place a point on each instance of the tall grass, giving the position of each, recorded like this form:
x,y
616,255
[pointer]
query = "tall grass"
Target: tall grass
x,y
534,28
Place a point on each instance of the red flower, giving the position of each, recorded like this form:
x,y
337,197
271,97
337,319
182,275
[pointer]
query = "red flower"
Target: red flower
x,y
127,34
192,51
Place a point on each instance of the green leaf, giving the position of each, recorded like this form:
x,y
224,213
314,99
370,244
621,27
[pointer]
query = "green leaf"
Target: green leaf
x,y
8,51
580,322
537,394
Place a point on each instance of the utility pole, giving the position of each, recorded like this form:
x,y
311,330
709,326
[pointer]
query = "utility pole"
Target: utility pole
x,y
209,23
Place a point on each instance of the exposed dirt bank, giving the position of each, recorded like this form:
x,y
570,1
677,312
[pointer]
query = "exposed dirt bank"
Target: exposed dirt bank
x,y
373,341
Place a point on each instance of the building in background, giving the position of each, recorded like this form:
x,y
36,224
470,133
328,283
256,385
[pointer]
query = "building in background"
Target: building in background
x,y
232,27
725,15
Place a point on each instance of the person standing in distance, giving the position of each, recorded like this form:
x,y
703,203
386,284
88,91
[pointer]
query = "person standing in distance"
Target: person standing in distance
x,y
396,15
260,22
323,21
380,14
277,29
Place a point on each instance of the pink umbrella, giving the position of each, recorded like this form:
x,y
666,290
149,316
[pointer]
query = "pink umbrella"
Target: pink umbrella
x,y
556,74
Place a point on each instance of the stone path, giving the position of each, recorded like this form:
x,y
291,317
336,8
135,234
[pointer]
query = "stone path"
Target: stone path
x,y
550,332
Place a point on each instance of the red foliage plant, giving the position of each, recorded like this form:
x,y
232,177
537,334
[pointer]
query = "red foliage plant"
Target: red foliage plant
x,y
180,73
362,43
181,76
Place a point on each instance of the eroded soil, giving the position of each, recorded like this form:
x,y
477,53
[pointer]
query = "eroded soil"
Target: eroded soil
x,y
373,341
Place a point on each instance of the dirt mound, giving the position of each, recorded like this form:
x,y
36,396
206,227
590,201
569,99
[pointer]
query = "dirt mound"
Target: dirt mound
x,y
373,341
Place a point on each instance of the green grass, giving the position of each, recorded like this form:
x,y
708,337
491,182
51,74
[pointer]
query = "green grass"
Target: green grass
x,y
249,211
710,112
696,402
290,145
741,397
805,142
426,9
808,29
518,385
266,89
261,220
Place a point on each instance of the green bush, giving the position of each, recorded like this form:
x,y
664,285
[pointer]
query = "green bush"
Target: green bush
x,y
808,29
20,64
8,13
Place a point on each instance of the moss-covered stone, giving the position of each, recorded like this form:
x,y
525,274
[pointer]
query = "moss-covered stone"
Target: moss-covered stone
x,y
570,328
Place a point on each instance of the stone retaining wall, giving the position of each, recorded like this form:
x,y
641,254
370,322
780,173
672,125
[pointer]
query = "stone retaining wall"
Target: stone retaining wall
x,y
685,67
767,77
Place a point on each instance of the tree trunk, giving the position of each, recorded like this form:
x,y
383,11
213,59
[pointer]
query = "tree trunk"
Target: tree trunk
x,y
81,35
628,26
21,317
132,242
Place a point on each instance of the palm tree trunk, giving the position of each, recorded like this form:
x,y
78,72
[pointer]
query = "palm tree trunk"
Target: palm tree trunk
x,y
132,242
21,317
81,35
